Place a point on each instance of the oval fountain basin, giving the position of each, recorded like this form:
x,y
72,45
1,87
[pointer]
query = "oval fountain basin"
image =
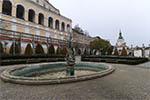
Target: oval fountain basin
x,y
54,73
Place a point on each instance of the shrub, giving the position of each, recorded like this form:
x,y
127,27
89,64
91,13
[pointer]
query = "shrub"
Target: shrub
x,y
95,52
91,52
116,53
79,51
124,52
28,50
64,51
58,51
39,49
1,48
85,52
51,49
14,49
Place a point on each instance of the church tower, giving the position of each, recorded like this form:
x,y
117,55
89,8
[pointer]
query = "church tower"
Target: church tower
x,y
120,42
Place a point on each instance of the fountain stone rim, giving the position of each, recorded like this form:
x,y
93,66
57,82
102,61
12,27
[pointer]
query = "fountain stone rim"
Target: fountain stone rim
x,y
6,76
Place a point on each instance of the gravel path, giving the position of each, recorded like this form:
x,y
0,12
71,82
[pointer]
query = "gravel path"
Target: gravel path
x,y
126,83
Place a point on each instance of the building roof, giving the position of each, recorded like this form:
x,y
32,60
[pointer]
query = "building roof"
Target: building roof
x,y
50,4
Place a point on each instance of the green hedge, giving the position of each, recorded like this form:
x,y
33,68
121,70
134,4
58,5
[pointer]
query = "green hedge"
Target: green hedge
x,y
29,61
115,59
9,57
26,59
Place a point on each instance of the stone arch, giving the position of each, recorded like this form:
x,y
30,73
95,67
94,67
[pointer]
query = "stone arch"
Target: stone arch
x,y
20,11
7,7
14,48
41,19
28,49
57,24
50,22
1,48
31,15
63,26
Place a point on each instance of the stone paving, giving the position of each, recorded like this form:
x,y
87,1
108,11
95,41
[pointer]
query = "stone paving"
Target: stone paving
x,y
146,65
126,83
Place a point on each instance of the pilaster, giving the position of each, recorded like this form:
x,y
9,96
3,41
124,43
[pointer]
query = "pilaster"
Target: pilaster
x,y
1,6
14,11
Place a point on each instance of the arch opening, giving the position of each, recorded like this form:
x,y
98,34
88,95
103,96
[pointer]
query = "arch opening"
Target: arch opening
x,y
39,49
50,22
20,12
7,7
63,26
31,15
57,25
68,28
14,49
41,19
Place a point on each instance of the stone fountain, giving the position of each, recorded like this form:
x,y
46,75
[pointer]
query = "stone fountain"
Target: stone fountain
x,y
56,73
70,59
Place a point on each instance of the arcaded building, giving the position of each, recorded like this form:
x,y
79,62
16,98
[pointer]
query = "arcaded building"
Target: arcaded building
x,y
32,22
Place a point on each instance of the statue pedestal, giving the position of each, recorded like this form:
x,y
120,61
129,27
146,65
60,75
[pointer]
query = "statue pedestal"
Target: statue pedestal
x,y
70,70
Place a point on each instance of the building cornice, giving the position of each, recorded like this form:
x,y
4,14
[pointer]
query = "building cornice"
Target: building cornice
x,y
48,10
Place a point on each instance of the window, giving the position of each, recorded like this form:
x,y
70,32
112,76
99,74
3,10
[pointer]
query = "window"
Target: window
x,y
7,7
68,28
50,22
41,19
57,24
44,5
20,12
37,1
63,26
31,15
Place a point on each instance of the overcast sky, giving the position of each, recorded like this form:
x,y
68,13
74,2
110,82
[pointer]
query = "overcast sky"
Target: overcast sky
x,y
105,18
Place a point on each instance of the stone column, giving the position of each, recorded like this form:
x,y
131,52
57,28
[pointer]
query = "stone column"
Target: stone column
x,y
36,17
26,14
45,21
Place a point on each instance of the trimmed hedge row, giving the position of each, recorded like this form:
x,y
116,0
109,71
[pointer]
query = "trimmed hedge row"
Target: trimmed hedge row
x,y
115,59
8,57
26,59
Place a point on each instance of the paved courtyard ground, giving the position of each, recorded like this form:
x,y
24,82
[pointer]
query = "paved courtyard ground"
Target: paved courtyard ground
x,y
126,83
